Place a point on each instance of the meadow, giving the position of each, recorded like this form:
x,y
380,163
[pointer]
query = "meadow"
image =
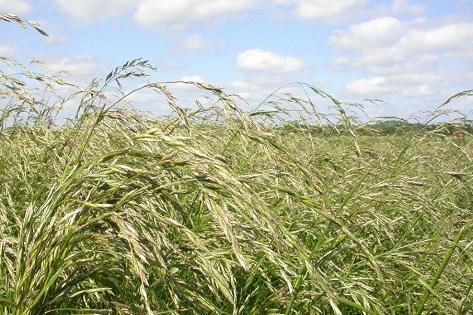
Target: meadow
x,y
218,210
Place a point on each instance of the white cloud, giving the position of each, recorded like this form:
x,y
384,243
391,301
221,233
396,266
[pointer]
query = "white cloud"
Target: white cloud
x,y
374,33
265,71
145,96
341,62
368,86
178,14
419,90
261,60
323,10
379,86
181,13
174,15
188,78
15,6
88,11
73,66
192,78
412,59
386,38
450,38
382,57
191,44
247,90
417,48
241,84
404,7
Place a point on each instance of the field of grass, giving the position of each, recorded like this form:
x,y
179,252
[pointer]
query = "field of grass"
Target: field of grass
x,y
221,211
218,211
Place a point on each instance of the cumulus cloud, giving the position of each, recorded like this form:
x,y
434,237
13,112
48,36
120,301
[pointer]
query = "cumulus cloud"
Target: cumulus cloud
x,y
340,62
368,86
412,59
450,38
404,7
247,90
16,6
173,15
388,36
88,11
254,89
188,87
261,60
264,72
377,32
378,86
322,10
191,44
193,78
74,66
178,14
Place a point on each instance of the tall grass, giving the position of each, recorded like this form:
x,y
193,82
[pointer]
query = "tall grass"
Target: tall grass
x,y
222,211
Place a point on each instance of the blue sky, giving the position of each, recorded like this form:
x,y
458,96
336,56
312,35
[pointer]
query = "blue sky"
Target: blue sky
x,y
412,54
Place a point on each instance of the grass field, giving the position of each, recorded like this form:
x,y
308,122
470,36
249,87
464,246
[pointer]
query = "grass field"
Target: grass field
x,y
220,211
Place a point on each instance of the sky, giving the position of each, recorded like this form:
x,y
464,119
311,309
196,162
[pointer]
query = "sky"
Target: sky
x,y
410,54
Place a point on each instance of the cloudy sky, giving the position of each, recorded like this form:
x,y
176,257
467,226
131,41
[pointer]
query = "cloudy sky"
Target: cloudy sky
x,y
412,54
